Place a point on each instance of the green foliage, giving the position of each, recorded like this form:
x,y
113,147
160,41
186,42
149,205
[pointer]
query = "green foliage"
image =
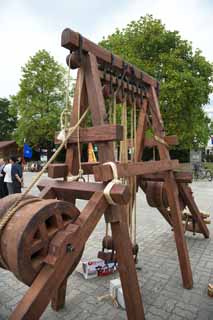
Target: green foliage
x,y
211,128
185,76
40,100
7,120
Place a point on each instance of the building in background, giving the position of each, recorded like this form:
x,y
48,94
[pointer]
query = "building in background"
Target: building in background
x,y
8,148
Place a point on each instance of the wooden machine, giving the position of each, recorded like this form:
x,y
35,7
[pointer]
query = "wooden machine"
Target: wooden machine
x,y
43,241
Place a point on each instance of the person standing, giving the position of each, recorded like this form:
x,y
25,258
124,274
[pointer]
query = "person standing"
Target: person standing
x,y
17,175
8,178
3,186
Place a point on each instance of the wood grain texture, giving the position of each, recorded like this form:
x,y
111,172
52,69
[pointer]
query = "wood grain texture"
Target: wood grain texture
x,y
105,173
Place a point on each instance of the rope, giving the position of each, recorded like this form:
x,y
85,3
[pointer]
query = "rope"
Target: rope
x,y
11,211
66,112
135,178
80,173
114,181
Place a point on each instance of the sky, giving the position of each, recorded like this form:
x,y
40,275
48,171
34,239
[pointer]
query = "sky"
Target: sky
x,y
29,25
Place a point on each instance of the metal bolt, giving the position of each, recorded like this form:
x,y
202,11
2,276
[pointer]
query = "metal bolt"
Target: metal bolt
x,y
70,248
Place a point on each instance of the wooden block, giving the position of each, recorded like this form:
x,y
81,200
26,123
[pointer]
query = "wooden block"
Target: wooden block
x,y
87,167
57,170
104,172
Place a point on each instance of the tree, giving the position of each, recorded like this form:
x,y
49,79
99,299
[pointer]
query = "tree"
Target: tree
x,y
40,100
185,76
7,120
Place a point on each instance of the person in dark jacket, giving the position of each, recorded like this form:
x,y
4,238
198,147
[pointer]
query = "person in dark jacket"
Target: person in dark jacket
x,y
17,175
3,185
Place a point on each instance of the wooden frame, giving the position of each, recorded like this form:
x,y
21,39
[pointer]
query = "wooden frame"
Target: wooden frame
x,y
68,244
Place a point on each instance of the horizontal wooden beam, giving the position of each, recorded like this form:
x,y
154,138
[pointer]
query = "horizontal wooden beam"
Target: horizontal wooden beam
x,y
84,190
72,40
184,177
60,170
104,172
103,133
170,140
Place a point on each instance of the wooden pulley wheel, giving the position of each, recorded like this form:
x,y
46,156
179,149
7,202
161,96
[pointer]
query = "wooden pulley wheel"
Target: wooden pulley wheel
x,y
25,239
157,196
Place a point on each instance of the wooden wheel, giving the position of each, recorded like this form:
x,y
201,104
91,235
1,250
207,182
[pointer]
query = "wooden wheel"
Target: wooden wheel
x,y
26,237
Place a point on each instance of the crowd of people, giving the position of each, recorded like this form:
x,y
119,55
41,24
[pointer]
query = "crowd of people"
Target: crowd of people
x,y
11,176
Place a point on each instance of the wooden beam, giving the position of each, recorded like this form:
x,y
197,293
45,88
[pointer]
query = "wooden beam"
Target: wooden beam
x,y
97,105
80,94
170,140
84,190
97,134
185,177
172,194
188,198
104,172
141,129
127,271
71,41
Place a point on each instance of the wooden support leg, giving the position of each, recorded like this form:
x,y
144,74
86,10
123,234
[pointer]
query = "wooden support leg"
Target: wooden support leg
x,y
189,200
58,299
172,193
128,275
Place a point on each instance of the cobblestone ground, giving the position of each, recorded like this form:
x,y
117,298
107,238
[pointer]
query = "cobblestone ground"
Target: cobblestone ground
x,y
159,277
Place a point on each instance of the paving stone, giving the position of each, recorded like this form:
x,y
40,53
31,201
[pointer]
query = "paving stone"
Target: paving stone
x,y
160,279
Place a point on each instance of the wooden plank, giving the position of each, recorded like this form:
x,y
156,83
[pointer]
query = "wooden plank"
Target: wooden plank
x,y
127,271
179,177
170,140
58,298
141,129
186,193
97,134
70,40
105,173
57,170
97,105
172,194
72,152
84,190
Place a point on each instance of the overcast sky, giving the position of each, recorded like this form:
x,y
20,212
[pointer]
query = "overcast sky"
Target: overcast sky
x,y
29,25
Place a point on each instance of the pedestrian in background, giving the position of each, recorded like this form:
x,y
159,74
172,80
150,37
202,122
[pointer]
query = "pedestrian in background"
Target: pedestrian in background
x,y
17,175
3,186
8,178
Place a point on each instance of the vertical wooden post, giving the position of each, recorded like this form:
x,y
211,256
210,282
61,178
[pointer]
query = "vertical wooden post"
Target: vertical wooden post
x,y
58,299
97,105
126,264
172,193
72,151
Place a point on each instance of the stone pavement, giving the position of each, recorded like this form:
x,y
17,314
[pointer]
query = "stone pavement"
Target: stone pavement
x,y
159,277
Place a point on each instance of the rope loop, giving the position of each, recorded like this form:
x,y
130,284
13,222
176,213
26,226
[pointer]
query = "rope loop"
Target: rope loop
x,y
114,181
